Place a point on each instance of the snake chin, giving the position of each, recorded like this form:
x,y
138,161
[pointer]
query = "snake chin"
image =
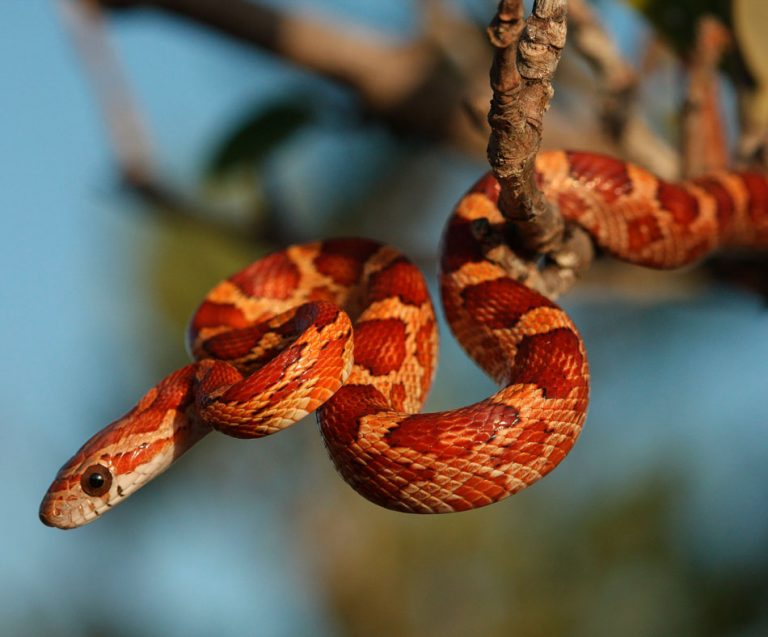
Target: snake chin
x,y
74,508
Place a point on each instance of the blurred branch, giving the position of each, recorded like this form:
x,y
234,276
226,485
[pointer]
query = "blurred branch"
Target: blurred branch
x,y
410,86
130,141
527,53
617,86
704,146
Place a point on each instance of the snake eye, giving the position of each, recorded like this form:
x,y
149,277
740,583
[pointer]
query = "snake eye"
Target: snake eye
x,y
96,480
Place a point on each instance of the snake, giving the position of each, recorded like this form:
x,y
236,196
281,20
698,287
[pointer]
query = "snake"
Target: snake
x,y
346,328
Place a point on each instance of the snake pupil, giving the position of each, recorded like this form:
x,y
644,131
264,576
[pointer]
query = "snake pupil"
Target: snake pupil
x,y
96,480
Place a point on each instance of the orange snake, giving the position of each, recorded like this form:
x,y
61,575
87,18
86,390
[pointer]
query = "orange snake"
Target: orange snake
x,y
275,342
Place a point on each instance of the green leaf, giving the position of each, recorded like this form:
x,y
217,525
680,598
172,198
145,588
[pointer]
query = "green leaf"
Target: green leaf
x,y
256,135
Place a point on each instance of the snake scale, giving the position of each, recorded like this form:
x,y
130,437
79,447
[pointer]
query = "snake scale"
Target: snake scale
x,y
346,327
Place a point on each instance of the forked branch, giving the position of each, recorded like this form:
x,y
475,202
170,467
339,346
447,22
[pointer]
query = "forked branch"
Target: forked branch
x,y
527,53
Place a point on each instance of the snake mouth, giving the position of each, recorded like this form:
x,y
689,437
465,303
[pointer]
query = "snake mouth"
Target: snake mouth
x,y
53,512
66,511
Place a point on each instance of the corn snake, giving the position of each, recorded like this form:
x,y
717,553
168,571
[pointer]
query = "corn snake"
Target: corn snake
x,y
272,345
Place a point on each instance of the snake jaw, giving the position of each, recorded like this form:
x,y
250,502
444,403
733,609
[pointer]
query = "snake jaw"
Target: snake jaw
x,y
67,505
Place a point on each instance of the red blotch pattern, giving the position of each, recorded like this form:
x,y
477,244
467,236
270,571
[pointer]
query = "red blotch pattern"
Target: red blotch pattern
x,y
235,344
757,188
402,279
452,433
499,304
459,246
642,231
340,417
342,259
551,361
683,206
397,396
211,314
380,345
275,277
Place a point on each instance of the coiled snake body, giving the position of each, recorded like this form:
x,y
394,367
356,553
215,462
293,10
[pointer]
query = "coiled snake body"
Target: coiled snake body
x,y
276,341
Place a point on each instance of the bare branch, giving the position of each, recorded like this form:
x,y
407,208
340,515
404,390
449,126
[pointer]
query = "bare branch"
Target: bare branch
x,y
521,77
130,142
703,140
617,86
527,53
408,85
131,146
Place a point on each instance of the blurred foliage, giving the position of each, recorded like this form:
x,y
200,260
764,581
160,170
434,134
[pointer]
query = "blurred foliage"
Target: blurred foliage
x,y
613,568
187,260
750,22
190,257
676,21
250,140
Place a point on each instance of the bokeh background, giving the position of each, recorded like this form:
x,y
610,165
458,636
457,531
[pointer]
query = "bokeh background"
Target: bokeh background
x,y
656,524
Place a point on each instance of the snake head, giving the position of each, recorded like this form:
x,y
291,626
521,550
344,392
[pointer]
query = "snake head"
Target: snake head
x,y
125,455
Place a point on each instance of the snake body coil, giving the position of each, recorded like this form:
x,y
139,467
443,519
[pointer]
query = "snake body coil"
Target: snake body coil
x,y
276,341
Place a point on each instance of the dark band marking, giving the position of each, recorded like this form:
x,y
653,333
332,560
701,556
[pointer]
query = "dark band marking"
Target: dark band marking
x,y
402,279
274,276
552,361
725,207
380,345
500,303
683,206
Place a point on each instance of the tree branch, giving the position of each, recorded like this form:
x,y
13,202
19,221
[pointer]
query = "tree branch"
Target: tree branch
x,y
527,53
521,77
617,86
131,146
703,143
410,86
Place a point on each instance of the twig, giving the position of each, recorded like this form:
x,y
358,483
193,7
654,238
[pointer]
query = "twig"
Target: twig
x,y
130,142
617,85
521,77
409,86
703,142
527,53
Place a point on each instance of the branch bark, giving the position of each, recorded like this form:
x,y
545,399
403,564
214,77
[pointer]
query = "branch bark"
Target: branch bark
x,y
526,57
527,53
